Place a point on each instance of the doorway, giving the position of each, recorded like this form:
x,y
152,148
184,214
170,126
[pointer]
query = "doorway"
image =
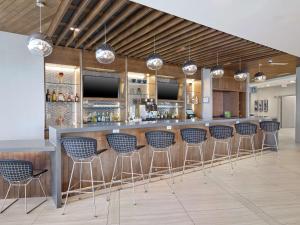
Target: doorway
x,y
288,111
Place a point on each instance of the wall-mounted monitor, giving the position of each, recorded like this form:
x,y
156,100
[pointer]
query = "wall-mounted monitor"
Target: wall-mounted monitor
x,y
98,86
167,89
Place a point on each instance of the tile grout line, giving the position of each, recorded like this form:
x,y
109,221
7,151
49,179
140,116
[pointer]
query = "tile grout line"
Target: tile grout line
x,y
247,203
181,204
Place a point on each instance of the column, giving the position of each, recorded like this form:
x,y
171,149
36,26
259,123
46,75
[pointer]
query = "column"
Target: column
x,y
207,94
297,135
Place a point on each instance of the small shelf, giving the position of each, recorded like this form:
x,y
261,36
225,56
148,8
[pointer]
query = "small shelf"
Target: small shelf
x,y
130,83
104,99
62,102
54,83
169,106
170,101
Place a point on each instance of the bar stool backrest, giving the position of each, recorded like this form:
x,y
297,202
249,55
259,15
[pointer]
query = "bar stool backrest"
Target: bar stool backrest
x,y
16,170
269,126
80,148
221,131
246,128
160,139
193,135
122,143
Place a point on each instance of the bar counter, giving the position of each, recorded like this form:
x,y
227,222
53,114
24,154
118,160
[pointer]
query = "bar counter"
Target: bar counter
x,y
61,164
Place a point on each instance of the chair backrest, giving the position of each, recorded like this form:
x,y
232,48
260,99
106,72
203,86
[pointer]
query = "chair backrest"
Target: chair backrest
x,y
122,143
193,135
80,148
221,131
246,128
16,170
269,126
160,139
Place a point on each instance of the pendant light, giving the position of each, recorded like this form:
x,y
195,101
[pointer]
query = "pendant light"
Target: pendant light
x,y
259,76
154,61
39,43
217,71
189,68
105,53
241,75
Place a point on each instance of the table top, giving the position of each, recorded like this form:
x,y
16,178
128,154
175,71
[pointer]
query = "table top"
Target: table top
x,y
26,146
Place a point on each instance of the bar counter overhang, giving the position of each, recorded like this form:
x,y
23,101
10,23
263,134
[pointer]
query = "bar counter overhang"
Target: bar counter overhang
x,y
61,164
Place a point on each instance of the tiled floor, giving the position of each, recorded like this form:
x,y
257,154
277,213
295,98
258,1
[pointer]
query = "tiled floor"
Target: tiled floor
x,y
265,192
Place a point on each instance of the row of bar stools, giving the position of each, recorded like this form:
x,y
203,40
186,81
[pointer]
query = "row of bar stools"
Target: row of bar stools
x,y
83,151
126,147
161,142
20,173
194,138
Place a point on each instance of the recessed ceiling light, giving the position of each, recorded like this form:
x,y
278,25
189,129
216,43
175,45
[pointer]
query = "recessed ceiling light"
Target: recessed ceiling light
x,y
292,81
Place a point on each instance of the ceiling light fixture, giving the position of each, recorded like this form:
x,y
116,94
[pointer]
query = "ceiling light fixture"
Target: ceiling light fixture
x,y
105,53
189,68
259,76
39,43
154,61
241,75
217,71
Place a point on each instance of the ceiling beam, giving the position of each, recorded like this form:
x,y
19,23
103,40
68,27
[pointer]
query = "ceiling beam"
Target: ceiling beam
x,y
181,28
137,26
110,26
178,39
95,12
62,9
73,20
113,9
148,32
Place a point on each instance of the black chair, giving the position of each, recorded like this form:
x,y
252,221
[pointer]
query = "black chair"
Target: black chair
x,y
248,131
160,142
221,134
125,146
194,138
83,151
20,173
270,128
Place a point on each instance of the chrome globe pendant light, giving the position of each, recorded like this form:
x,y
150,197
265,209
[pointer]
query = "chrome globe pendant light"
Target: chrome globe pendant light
x,y
241,75
259,76
189,68
105,53
154,61
38,43
217,71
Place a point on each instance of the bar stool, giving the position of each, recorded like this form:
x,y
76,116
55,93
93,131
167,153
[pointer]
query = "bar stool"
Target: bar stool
x,y
83,151
246,131
20,173
194,139
125,145
271,128
221,134
161,142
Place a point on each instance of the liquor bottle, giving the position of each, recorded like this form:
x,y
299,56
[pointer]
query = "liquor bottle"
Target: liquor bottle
x,y
48,96
103,117
54,98
107,117
98,117
76,98
110,116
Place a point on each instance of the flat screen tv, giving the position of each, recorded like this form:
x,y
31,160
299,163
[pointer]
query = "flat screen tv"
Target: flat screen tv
x,y
167,90
100,86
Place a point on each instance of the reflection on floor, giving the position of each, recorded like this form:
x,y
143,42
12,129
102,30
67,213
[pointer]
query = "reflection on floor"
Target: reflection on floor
x,y
266,192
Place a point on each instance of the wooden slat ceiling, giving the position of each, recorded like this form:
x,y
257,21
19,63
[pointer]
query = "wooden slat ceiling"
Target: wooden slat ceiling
x,y
131,29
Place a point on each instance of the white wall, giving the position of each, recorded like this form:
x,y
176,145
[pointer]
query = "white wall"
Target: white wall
x,y
21,90
271,94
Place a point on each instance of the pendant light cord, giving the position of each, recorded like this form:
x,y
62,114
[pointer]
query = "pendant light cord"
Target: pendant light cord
x,y
189,52
154,44
105,33
240,64
40,19
217,58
